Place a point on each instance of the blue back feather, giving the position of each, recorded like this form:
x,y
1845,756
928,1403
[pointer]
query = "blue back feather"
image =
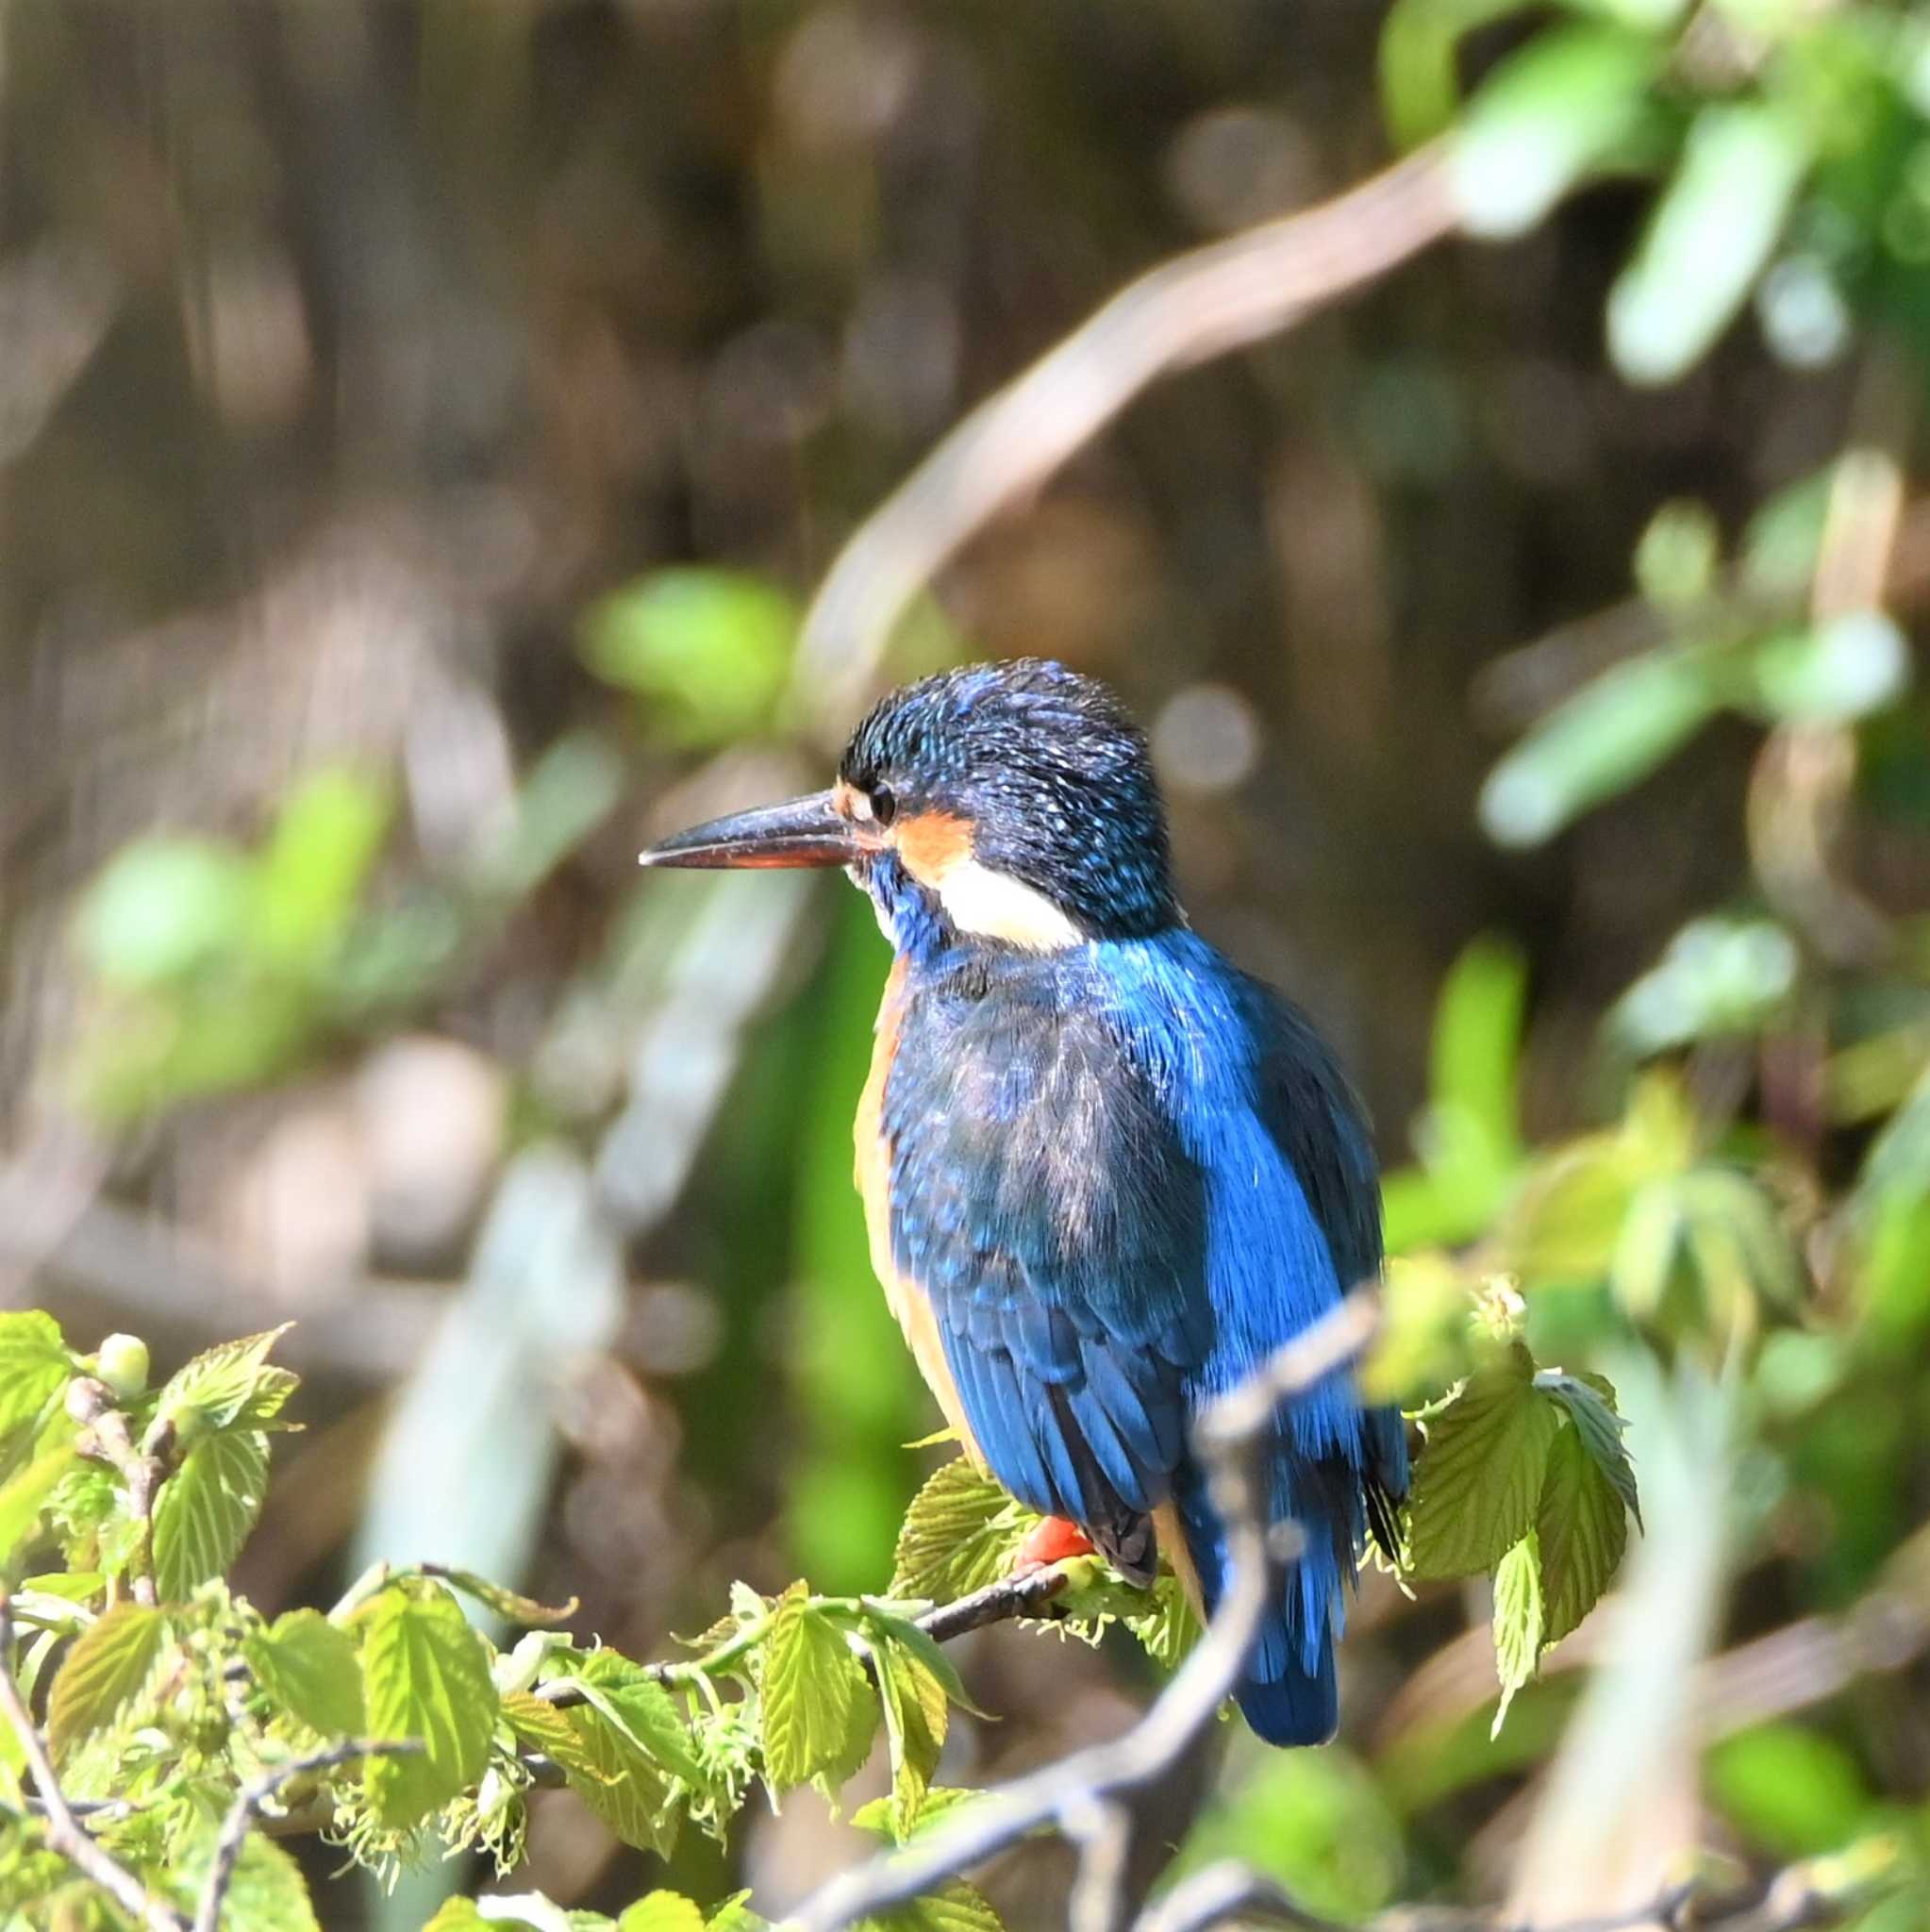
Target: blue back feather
x,y
1124,1173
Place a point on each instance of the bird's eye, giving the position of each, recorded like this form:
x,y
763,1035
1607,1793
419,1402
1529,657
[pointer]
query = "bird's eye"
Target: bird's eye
x,y
884,806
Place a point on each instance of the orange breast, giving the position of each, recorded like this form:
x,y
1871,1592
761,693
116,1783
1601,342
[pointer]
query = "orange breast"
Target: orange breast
x,y
908,1302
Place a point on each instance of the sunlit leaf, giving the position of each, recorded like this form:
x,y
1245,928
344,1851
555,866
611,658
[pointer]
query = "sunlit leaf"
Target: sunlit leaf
x,y
1843,670
164,905
641,1709
959,1534
1608,735
1479,1477
811,1690
1708,238
103,1671
309,1669
427,1677
222,1383
1420,42
916,1716
508,1604
205,1510
1517,1622
325,838
25,1496
1792,1789
266,1893
661,1911
1547,119
34,1365
957,1907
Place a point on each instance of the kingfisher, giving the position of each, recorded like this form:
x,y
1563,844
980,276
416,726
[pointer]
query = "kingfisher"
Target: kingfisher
x,y
1106,1173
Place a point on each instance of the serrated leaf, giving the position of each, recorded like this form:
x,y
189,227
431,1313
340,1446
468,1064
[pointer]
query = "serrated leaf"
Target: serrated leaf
x,y
735,1915
625,1789
1477,1480
640,1708
427,1677
957,1907
917,1713
310,1669
25,1498
879,1816
811,1691
221,1382
267,1892
103,1671
1517,1622
205,1510
456,1915
1590,1400
1167,1629
507,1603
884,1618
960,1535
538,1723
1582,1528
34,1366
661,1911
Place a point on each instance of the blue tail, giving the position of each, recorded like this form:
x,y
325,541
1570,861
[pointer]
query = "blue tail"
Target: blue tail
x,y
1288,1693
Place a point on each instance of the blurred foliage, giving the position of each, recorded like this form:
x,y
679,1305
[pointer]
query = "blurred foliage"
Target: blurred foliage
x,y
421,434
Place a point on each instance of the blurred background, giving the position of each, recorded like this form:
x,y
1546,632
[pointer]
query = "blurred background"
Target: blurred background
x,y
421,426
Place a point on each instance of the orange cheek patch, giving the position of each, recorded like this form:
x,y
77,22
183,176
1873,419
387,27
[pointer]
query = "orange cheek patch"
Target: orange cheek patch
x,y
932,845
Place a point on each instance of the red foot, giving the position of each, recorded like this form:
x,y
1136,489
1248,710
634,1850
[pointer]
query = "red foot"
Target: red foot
x,y
1053,1542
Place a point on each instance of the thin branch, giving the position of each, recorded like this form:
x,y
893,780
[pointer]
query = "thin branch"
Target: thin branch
x,y
254,1794
64,1833
1226,1435
108,1438
1227,1890
1196,305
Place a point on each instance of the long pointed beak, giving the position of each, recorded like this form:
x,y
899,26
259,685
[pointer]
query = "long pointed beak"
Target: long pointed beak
x,y
802,831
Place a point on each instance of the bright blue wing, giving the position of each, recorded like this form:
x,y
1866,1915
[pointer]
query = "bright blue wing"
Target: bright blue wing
x,y
1040,1199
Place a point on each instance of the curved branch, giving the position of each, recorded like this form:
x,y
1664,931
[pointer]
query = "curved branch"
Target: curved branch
x,y
1196,305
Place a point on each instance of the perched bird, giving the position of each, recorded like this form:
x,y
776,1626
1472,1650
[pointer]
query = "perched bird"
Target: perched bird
x,y
1105,1172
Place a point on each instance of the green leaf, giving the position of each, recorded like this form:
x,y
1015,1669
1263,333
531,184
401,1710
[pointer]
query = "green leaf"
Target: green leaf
x,y
24,1497
735,1915
884,1618
1476,1043
639,1708
1517,1622
427,1677
1795,1792
1605,738
1590,1400
1581,1525
960,1535
1852,666
711,648
1717,976
103,1672
1419,39
1480,1474
267,1893
1550,116
223,1383
34,1366
814,1692
917,1712
625,1788
205,1510
879,1816
310,1669
1709,238
957,1907
162,907
661,1911
326,837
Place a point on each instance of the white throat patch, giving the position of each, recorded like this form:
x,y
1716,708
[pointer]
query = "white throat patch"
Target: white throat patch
x,y
994,906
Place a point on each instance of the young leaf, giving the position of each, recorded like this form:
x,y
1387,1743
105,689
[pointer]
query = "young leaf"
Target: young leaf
x,y
638,1705
267,1893
538,1723
625,1789
957,1907
1590,1400
917,1712
661,1911
1582,1528
735,1915
1517,1622
309,1670
427,1676
205,1509
1477,1480
958,1535
507,1604
34,1366
218,1385
103,1671
812,1690
24,1497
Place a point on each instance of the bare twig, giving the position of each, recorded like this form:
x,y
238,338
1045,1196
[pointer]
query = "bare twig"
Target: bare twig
x,y
254,1794
65,1834
1226,1435
1187,310
1226,1891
